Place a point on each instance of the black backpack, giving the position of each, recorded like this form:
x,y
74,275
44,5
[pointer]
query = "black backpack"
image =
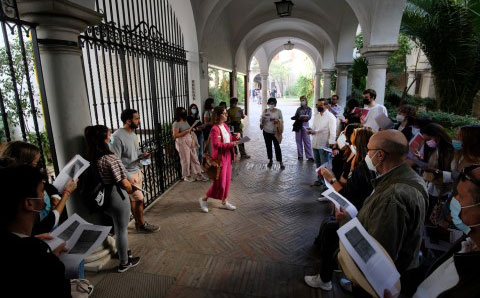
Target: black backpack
x,y
92,190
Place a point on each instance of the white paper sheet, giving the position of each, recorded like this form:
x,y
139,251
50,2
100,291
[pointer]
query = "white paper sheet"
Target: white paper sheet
x,y
327,184
81,237
243,140
71,171
369,257
340,201
383,121
195,123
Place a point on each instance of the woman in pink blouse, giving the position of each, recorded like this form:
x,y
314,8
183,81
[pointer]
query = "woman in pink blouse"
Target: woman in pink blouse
x,y
223,143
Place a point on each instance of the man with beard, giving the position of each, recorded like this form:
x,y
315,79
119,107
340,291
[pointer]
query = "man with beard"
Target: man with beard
x,y
374,109
126,147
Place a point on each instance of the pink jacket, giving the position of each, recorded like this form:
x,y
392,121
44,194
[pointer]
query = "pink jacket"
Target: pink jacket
x,y
218,146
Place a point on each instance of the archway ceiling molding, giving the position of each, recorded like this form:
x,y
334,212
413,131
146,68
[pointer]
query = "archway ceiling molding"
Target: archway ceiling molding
x,y
275,46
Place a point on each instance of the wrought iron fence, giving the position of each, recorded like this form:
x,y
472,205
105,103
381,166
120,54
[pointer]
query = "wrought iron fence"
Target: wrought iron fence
x,y
23,102
135,59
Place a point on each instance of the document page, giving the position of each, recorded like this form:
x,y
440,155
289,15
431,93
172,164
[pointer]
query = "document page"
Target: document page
x,y
372,261
340,201
71,171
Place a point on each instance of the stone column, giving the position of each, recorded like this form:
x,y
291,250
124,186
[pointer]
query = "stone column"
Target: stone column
x,y
264,77
411,78
377,57
342,83
316,86
327,82
59,25
349,84
428,85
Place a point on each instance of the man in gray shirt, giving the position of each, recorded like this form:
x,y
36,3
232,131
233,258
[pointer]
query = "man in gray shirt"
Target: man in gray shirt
x,y
126,147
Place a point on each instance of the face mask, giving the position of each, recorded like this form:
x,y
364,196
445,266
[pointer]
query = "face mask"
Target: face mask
x,y
320,109
432,143
415,131
270,106
370,164
342,141
455,209
303,103
194,111
457,145
353,149
400,118
111,141
183,115
46,210
146,162
366,101
38,211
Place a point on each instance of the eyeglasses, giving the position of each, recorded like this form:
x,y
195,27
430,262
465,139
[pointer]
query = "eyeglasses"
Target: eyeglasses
x,y
464,174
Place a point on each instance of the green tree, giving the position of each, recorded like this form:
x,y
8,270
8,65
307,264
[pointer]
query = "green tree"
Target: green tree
x,y
304,86
448,32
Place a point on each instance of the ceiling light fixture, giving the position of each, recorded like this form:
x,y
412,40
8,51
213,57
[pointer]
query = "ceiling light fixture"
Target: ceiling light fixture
x,y
288,46
284,8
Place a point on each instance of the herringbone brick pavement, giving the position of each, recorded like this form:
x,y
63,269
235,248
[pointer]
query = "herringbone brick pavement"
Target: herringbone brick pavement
x,y
263,249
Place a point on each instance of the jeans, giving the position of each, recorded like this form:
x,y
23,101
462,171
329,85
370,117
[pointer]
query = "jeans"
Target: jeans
x,y
201,141
321,156
269,138
241,147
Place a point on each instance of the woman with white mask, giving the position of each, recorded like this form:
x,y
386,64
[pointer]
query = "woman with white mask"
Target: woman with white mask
x,y
405,117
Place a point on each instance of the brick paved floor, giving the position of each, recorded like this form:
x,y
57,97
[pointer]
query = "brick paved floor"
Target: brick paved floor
x,y
263,249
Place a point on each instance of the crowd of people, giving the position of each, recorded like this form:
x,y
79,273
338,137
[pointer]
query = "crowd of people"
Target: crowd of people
x,y
405,197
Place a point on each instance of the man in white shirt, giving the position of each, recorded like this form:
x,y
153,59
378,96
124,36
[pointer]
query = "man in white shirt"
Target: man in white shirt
x,y
323,133
374,109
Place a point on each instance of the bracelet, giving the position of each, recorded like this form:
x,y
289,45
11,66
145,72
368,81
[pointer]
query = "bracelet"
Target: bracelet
x,y
66,192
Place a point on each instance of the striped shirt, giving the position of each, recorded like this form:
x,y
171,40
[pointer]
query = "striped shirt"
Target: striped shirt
x,y
111,169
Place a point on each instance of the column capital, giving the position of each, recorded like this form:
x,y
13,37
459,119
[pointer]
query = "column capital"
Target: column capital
x,y
328,71
58,20
264,76
343,68
377,55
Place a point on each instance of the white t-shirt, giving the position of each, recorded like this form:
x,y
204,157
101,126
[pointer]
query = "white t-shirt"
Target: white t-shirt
x,y
268,116
225,134
373,114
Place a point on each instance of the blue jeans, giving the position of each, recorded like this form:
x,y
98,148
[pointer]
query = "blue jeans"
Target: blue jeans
x,y
321,156
201,140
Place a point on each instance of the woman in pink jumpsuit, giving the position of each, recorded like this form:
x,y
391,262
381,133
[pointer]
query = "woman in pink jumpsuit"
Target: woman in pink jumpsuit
x,y
223,143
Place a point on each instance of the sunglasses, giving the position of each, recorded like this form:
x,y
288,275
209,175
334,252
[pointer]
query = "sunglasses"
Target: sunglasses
x,y
465,174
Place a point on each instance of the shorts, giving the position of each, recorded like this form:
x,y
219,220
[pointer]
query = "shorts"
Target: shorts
x,y
136,195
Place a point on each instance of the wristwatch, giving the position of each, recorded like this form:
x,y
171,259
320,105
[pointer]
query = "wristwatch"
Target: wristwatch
x,y
333,180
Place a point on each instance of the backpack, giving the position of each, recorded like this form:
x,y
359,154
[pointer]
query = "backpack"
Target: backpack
x,y
92,189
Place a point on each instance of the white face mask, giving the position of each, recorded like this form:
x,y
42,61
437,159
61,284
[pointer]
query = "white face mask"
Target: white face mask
x,y
415,131
270,106
370,164
400,118
342,141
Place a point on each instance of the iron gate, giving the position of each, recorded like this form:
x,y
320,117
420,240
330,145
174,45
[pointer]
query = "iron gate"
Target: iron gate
x,y
135,59
23,103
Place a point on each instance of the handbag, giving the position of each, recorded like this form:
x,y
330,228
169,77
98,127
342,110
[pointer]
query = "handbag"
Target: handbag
x,y
212,167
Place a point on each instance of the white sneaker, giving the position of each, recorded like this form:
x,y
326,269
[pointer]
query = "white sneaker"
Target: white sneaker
x,y
202,177
316,282
189,179
227,206
323,199
203,205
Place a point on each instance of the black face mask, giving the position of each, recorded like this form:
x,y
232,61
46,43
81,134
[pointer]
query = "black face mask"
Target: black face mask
x,y
320,109
366,101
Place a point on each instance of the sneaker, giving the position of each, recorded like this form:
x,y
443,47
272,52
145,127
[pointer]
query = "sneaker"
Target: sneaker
x,y
270,163
323,199
316,282
300,158
132,262
346,284
227,206
189,179
129,253
202,177
311,159
203,205
282,166
148,228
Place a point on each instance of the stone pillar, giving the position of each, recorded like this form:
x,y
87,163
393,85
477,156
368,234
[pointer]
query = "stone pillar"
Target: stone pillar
x,y
428,85
377,57
349,84
264,77
327,82
342,83
59,25
234,84
317,86
411,79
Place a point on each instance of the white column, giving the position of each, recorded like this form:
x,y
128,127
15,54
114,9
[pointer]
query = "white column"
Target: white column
x,y
264,77
411,79
342,83
60,22
317,86
377,69
428,86
349,84
327,82
234,84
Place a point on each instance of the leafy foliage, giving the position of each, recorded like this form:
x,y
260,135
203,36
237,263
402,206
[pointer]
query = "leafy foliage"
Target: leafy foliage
x,y
448,32
304,86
